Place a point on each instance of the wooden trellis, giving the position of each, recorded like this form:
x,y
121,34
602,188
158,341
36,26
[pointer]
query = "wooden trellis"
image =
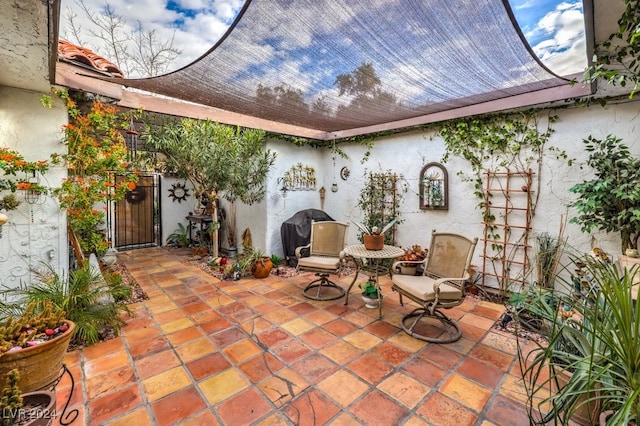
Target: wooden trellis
x,y
507,225
381,201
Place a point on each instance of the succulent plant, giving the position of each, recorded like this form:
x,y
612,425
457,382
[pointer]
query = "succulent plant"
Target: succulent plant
x,y
37,321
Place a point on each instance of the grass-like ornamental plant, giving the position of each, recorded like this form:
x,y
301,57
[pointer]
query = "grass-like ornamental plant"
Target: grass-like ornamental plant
x,y
593,341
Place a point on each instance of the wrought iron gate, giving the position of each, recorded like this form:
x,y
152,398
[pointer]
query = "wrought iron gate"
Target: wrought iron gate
x,y
135,218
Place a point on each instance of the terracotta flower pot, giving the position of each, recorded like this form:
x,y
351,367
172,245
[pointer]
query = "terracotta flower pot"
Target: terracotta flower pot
x,y
262,268
588,413
373,242
39,365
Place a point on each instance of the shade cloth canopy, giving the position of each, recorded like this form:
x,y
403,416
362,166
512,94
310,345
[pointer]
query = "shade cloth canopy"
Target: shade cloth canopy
x,y
347,67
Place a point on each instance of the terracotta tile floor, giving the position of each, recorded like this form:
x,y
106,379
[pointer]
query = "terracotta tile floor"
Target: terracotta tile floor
x,y
205,352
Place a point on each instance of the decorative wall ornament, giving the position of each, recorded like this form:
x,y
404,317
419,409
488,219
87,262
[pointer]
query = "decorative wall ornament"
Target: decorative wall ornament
x,y
344,173
300,178
434,187
178,192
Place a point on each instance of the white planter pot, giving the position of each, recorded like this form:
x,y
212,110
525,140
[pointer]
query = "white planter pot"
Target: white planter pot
x,y
369,302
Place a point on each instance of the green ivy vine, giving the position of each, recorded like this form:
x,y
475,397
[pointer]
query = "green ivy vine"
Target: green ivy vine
x,y
499,142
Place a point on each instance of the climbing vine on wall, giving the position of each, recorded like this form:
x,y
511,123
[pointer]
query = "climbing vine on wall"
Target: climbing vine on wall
x,y
95,149
500,141
509,146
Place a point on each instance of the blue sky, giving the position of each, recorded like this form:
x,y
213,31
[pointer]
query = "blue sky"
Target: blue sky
x,y
555,31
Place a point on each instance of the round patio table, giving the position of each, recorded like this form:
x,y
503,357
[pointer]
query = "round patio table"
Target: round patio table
x,y
368,261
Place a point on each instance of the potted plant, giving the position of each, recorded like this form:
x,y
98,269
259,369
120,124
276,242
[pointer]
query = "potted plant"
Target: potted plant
x,y
34,342
609,201
179,237
257,263
373,238
407,264
28,409
370,294
591,361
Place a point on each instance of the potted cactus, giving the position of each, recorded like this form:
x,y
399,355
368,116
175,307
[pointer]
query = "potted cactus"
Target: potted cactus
x,y
34,342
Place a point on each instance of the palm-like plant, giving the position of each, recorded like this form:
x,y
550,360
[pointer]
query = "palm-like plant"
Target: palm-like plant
x,y
92,300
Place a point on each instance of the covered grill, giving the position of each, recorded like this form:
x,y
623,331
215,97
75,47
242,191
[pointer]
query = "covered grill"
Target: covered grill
x,y
296,232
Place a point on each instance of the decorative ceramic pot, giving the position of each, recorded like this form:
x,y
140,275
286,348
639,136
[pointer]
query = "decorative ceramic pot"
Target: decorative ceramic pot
x,y
39,365
370,302
408,270
373,242
110,257
262,268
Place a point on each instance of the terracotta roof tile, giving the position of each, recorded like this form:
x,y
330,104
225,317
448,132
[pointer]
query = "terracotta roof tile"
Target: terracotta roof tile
x,y
86,57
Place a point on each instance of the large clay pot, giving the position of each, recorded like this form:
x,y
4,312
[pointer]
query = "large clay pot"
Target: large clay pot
x,y
39,365
262,268
408,269
373,242
587,414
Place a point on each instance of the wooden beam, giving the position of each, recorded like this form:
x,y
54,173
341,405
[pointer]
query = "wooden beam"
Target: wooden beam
x,y
537,98
165,105
77,78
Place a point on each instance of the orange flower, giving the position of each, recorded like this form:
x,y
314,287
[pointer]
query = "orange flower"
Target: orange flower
x,y
23,185
131,186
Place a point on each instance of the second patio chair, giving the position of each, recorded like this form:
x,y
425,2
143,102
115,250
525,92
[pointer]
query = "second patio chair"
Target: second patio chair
x,y
441,286
325,257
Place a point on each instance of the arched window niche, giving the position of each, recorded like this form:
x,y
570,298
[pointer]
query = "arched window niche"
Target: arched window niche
x,y
434,187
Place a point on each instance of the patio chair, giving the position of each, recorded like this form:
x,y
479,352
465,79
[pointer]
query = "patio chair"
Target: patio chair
x,y
325,257
441,286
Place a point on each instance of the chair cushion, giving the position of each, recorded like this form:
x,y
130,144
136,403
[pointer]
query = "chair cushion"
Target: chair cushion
x,y
319,262
421,287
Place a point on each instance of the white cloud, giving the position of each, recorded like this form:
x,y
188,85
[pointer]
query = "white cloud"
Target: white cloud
x,y
195,28
564,51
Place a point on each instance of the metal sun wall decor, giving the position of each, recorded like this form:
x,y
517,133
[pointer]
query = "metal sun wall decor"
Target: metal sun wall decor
x,y
178,192
434,186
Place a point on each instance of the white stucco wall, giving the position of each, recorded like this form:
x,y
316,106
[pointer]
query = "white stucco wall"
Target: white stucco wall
x,y
174,212
407,153
34,233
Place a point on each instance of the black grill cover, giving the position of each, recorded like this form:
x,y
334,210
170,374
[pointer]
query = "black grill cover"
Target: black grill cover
x,y
296,232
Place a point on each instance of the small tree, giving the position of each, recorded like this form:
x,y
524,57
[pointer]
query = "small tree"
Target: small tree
x,y
611,201
215,158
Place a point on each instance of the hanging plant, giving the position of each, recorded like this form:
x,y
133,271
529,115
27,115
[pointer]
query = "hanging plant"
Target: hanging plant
x,y
17,175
